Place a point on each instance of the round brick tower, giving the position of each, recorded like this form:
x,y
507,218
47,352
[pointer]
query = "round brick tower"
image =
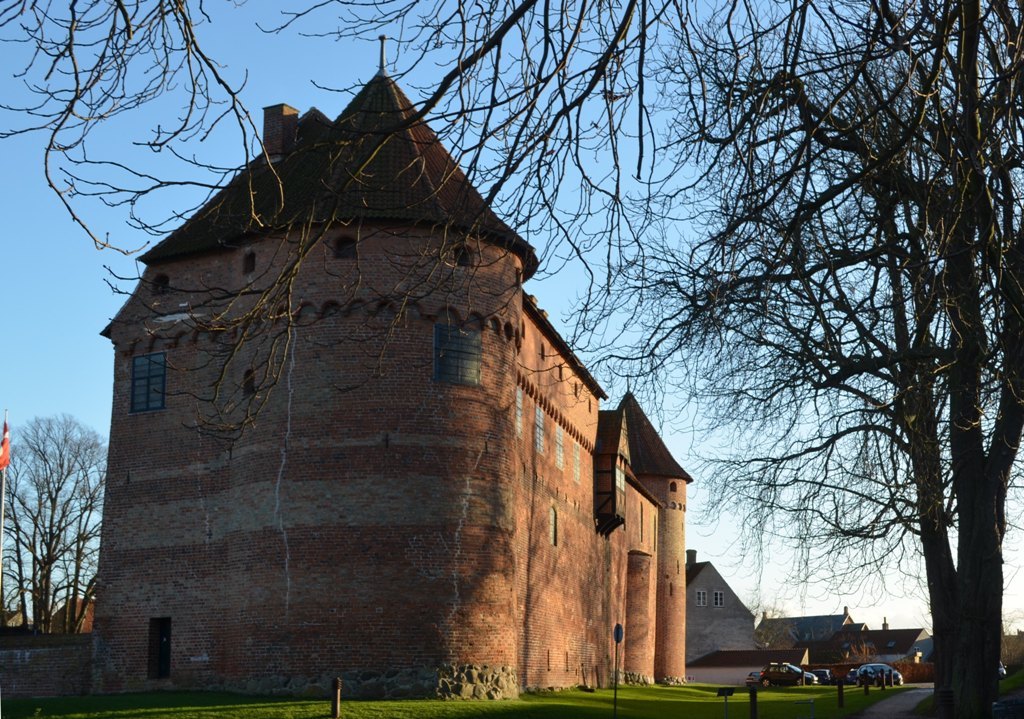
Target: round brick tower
x,y
657,470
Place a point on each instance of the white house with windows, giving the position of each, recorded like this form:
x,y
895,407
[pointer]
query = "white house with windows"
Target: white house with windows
x,y
716,619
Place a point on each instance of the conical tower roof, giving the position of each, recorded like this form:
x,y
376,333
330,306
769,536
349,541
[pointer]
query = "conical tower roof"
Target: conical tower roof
x,y
648,454
378,161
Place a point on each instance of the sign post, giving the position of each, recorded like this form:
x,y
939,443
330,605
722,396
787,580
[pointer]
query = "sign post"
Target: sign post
x,y
617,635
725,693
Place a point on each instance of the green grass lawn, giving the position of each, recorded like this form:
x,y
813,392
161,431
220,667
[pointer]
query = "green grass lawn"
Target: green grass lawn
x,y
696,701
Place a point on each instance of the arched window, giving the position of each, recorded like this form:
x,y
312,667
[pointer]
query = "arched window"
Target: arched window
x,y
671,486
160,284
345,248
463,256
249,263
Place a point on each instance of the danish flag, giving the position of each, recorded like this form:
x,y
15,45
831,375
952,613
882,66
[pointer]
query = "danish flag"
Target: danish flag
x,y
5,448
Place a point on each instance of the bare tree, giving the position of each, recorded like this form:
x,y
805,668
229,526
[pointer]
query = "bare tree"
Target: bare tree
x,y
54,501
852,306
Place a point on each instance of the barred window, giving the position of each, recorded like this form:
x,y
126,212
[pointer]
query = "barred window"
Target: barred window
x,y
519,411
538,430
559,448
457,355
149,378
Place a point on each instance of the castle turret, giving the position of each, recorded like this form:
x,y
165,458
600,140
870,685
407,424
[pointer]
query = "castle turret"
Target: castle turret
x,y
656,469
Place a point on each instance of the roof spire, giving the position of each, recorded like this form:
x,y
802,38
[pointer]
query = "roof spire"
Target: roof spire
x,y
383,57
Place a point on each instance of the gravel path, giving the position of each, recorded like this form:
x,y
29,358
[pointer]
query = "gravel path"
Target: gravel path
x,y
901,706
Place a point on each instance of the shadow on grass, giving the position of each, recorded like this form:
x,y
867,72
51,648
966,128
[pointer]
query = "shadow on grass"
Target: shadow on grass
x,y
693,701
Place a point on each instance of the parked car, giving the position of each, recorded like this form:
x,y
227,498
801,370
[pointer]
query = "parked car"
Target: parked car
x,y
782,674
869,674
810,679
851,677
753,679
824,676
1001,671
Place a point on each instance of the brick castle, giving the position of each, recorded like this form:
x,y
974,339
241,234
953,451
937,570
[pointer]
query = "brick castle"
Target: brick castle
x,y
426,499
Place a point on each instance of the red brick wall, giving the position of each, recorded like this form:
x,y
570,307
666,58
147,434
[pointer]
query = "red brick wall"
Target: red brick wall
x,y
46,665
372,521
640,616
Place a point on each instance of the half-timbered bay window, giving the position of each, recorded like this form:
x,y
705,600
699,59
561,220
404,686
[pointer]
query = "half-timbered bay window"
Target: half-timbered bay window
x,y
457,355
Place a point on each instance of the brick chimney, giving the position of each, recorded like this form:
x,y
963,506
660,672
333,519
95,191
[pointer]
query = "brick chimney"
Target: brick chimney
x,y
691,557
280,123
885,624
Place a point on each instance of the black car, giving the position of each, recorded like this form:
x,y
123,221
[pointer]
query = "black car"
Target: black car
x,y
782,674
870,674
824,676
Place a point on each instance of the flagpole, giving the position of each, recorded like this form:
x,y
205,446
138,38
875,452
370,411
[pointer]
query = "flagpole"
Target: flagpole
x,y
3,517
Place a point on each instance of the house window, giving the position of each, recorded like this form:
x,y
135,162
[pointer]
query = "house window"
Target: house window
x,y
538,430
620,479
149,376
702,598
463,256
719,599
519,411
671,486
457,355
345,248
559,448
161,283
553,526
576,463
249,263
159,647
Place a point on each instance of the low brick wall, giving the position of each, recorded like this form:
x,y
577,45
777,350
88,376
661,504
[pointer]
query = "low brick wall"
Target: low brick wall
x,y
45,665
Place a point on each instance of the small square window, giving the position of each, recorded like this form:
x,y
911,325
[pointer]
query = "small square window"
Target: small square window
x,y
345,248
457,355
149,378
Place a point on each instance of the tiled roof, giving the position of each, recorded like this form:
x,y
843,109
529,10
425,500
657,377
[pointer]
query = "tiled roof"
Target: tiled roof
x,y
750,657
880,641
609,430
378,161
692,570
647,452
809,628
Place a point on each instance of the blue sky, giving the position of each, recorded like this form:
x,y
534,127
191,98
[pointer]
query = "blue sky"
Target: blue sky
x,y
58,297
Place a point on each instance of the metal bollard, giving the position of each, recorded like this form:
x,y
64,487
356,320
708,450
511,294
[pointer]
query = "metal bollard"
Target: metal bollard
x,y
839,693
336,698
753,702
